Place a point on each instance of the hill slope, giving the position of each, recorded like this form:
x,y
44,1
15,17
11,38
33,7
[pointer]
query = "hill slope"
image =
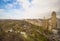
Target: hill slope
x,y
20,30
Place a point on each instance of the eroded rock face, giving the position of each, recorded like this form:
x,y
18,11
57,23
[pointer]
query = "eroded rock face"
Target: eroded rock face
x,y
58,23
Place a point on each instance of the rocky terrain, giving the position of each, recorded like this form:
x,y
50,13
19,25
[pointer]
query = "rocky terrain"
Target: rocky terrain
x,y
27,30
20,30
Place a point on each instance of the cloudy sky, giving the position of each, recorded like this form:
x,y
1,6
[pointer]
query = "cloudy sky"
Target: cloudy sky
x,y
23,9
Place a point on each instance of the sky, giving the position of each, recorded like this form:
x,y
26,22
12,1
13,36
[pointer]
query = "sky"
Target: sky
x,y
28,9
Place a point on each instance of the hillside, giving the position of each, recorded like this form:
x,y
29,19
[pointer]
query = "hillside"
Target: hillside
x,y
20,30
37,22
26,30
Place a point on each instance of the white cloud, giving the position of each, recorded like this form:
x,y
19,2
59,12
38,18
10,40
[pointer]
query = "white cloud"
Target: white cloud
x,y
38,9
1,10
9,6
25,3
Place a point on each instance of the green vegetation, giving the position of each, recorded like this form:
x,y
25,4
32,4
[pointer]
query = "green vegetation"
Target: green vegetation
x,y
20,30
